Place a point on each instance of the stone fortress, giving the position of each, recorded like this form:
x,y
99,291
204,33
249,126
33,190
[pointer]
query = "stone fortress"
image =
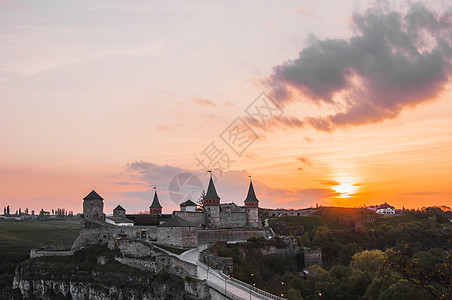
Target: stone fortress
x,y
189,227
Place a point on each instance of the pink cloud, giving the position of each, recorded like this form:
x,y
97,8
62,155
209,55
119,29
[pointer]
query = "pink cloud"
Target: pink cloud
x,y
203,102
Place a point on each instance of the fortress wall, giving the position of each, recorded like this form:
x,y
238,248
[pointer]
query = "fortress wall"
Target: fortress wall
x,y
176,266
146,265
38,253
312,256
224,264
191,216
101,233
291,212
178,236
232,219
219,235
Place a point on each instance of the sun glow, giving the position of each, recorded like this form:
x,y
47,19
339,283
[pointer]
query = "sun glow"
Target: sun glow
x,y
346,187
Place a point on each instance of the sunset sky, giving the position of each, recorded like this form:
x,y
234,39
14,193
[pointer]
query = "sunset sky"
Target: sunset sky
x,y
344,104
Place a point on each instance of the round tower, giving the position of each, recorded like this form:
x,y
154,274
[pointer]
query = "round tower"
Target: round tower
x,y
252,207
211,204
93,206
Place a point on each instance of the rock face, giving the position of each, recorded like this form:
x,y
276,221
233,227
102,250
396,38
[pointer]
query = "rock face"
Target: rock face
x,y
42,280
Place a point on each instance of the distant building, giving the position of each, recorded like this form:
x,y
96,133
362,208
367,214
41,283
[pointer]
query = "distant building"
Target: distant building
x,y
188,206
119,217
93,206
383,209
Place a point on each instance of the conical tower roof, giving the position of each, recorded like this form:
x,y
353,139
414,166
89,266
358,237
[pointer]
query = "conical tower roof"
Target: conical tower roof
x,y
211,191
155,202
93,196
251,197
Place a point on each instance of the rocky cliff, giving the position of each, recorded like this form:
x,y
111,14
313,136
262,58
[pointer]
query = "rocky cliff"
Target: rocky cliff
x,y
81,277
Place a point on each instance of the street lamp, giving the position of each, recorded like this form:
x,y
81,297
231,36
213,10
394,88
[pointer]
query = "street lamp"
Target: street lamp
x,y
207,280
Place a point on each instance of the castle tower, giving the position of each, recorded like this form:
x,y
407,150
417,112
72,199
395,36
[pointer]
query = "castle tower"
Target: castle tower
x,y
252,207
119,212
211,204
155,208
93,206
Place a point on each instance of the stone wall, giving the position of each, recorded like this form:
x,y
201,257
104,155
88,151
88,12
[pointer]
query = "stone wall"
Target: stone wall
x,y
143,255
232,219
290,247
224,264
39,253
133,248
312,256
289,212
176,266
197,218
178,236
98,233
220,235
198,289
147,265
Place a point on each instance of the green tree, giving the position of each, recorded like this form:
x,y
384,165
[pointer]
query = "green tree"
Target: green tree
x,y
378,286
293,294
434,279
364,266
325,238
335,284
403,290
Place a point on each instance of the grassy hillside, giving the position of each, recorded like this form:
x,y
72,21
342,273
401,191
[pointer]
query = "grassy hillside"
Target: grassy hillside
x,y
346,214
331,217
296,225
392,220
18,238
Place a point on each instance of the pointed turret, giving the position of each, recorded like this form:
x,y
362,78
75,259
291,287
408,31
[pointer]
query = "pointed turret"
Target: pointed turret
x,y
252,207
155,207
211,191
211,204
251,197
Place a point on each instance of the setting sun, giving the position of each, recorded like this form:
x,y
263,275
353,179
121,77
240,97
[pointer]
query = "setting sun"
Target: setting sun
x,y
345,186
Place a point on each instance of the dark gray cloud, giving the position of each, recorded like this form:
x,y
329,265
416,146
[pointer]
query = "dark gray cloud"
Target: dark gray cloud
x,y
395,60
152,173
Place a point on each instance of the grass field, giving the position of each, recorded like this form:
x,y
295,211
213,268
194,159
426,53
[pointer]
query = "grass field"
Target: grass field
x,y
17,238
